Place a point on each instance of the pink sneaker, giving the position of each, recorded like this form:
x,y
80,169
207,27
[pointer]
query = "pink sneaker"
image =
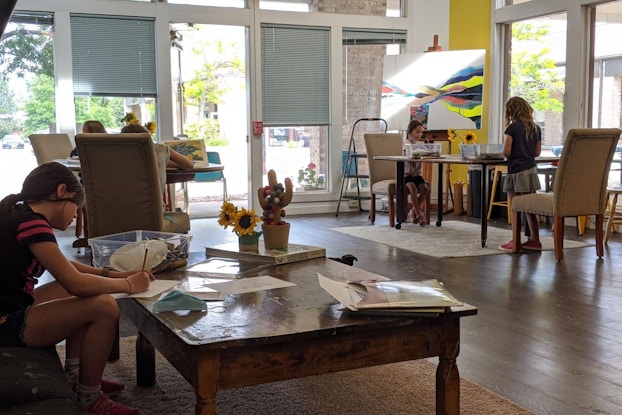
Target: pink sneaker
x,y
111,388
507,247
104,406
532,245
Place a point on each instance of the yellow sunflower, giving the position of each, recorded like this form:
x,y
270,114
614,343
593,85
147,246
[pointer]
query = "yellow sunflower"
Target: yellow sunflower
x,y
244,222
451,135
470,137
151,126
227,214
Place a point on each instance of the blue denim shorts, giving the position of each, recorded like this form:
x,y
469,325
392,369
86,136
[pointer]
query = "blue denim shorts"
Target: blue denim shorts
x,y
12,329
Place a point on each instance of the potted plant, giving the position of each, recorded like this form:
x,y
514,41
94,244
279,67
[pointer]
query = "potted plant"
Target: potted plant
x,y
273,198
309,179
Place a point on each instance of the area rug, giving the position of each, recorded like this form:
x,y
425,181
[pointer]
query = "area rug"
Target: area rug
x,y
399,389
451,239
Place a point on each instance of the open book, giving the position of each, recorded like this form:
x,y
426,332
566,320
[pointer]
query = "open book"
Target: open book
x,y
427,296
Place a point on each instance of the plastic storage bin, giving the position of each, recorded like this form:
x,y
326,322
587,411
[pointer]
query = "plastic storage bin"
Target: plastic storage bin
x,y
481,151
127,251
418,150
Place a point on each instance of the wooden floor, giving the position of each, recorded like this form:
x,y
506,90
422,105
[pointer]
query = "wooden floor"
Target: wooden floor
x,y
548,335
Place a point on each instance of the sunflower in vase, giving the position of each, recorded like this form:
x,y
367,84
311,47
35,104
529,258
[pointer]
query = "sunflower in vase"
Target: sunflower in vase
x,y
242,220
469,138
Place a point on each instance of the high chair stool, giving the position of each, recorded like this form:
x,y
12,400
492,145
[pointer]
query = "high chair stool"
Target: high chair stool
x,y
613,216
499,170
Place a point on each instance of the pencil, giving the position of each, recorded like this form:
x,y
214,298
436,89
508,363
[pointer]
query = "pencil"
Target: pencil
x,y
144,259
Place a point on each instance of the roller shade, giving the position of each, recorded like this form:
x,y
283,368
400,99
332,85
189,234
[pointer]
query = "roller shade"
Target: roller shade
x,y
113,56
295,75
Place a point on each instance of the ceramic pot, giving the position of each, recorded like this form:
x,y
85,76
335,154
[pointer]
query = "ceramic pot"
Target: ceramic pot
x,y
275,236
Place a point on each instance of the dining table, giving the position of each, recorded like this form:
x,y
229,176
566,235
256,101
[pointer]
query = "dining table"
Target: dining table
x,y
482,163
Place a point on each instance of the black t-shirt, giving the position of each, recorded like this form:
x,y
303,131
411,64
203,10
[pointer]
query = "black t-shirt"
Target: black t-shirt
x,y
523,148
19,269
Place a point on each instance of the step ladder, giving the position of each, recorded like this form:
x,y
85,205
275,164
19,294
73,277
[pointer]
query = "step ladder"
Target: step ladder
x,y
350,169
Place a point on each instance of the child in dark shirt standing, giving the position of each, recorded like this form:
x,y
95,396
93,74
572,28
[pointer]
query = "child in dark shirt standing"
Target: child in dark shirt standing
x,y
523,143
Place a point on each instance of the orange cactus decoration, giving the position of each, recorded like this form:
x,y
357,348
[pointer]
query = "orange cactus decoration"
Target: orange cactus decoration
x,y
273,198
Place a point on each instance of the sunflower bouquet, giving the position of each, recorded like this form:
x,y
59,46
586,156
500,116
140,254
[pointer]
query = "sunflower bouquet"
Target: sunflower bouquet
x,y
469,138
243,221
130,118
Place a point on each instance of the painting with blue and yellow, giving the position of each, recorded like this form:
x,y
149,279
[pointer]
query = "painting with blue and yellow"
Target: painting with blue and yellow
x,y
441,89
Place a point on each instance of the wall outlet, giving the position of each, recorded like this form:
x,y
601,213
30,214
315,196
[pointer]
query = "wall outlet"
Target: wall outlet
x,y
353,203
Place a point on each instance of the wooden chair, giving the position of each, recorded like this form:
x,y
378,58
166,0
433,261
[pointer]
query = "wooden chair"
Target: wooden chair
x,y
122,185
580,186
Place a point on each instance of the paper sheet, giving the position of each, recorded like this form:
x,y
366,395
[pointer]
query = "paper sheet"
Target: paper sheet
x,y
156,287
247,285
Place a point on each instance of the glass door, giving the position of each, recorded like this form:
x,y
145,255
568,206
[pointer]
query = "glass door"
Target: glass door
x,y
210,94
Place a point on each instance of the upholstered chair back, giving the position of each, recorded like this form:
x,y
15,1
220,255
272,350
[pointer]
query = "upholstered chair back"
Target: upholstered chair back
x,y
49,147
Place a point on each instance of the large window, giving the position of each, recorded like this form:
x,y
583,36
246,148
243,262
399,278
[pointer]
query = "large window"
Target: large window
x,y
535,57
27,93
296,101
109,80
364,8
363,58
210,91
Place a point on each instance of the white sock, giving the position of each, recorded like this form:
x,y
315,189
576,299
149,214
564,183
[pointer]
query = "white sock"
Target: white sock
x,y
72,370
87,395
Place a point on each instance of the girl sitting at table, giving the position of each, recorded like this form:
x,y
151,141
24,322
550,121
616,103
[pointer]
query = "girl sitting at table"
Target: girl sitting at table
x,y
90,126
165,156
415,183
76,306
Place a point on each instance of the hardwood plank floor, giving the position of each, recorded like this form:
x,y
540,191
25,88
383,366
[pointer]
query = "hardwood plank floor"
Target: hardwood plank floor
x,y
547,335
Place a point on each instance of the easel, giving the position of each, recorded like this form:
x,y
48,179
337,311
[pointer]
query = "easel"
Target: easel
x,y
439,135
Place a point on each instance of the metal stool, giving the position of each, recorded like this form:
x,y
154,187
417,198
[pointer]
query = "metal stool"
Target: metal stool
x,y
499,170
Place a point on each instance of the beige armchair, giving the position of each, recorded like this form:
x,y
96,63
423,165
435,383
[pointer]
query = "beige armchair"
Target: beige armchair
x,y
382,173
580,186
122,185
49,147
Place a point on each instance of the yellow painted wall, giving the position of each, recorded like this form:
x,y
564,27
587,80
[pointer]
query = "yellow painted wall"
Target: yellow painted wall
x,y
469,28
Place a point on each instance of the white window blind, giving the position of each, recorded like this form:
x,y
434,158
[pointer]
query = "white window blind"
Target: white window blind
x,y
295,75
113,56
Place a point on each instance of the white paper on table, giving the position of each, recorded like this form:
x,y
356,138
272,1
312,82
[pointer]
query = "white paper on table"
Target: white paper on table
x,y
247,285
155,287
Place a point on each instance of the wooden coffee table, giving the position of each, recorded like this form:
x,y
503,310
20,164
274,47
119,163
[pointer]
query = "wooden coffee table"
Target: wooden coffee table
x,y
291,332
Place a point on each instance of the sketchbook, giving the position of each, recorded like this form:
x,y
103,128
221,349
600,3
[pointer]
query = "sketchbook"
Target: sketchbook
x,y
425,296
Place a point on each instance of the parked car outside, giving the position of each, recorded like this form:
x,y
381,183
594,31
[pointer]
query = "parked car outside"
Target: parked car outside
x,y
12,141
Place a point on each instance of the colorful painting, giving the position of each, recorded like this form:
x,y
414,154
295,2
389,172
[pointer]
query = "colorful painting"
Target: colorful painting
x,y
191,149
443,88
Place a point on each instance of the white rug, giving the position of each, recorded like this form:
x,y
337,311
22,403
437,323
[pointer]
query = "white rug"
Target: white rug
x,y
452,239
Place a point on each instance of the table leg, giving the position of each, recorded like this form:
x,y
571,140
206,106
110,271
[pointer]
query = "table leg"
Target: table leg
x,y
145,362
439,197
207,385
400,194
447,375
483,214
